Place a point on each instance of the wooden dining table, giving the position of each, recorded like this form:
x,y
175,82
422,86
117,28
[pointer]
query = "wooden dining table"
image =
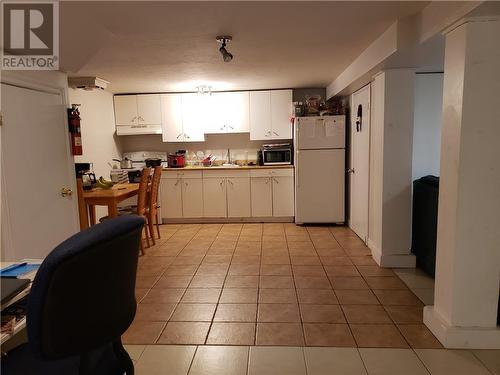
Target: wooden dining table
x,y
104,197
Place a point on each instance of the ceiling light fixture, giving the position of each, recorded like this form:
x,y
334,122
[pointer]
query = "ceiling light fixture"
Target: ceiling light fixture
x,y
203,89
224,40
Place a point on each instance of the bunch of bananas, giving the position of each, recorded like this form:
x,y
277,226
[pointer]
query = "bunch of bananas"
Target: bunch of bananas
x,y
104,184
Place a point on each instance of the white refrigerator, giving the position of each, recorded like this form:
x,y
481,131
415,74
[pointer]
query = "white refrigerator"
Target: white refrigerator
x,y
319,145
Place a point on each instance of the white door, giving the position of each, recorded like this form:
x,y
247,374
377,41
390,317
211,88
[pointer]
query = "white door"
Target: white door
x,y
281,114
260,115
171,118
360,162
283,196
319,191
125,109
262,197
35,216
171,198
214,197
149,109
238,197
192,197
192,118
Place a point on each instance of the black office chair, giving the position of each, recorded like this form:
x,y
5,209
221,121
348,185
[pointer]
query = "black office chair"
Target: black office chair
x,y
82,300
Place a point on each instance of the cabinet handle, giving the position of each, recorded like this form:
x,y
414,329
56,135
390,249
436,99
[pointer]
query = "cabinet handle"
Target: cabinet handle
x,y
185,184
231,182
179,135
276,134
267,180
140,118
133,119
275,180
222,128
232,128
177,182
187,136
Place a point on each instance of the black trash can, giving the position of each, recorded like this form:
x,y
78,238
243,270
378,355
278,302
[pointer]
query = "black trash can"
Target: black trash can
x,y
424,222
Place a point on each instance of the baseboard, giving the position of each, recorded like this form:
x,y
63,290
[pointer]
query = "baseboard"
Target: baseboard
x,y
460,337
211,220
392,260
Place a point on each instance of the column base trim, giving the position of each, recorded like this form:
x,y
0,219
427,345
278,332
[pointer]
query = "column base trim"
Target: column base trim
x,y
392,260
453,337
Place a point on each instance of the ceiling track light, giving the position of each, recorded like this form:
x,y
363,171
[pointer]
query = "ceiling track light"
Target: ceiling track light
x,y
224,40
202,89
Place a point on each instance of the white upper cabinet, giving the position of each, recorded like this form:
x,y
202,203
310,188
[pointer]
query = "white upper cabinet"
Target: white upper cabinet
x,y
281,113
270,113
125,109
171,118
260,115
227,112
149,109
192,118
137,114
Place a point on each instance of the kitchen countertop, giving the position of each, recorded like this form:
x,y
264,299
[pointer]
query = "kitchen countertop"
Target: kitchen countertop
x,y
199,168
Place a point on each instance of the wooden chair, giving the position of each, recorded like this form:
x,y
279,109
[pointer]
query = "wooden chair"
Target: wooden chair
x,y
152,212
142,196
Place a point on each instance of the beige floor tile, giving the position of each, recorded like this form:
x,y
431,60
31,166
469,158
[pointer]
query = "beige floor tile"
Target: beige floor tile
x,y
347,270
216,259
244,270
278,313
363,261
141,332
321,313
425,295
317,296
201,295
134,351
212,269
397,297
335,261
220,360
239,295
277,296
241,282
167,295
490,359
415,278
236,312
181,270
246,259
140,294
446,362
333,361
342,282
231,334
276,361
180,260
380,361
419,336
358,252
366,314
283,334
378,336
182,333
405,314
276,270
374,270
193,312
305,261
165,359
312,282
331,252
384,282
154,311
173,282
276,282
280,259
308,270
356,297
207,281
324,334
145,282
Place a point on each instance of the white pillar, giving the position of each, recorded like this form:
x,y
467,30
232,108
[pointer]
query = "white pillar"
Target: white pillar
x,y
391,140
464,314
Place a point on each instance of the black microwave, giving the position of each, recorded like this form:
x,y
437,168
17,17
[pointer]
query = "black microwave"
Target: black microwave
x,y
277,154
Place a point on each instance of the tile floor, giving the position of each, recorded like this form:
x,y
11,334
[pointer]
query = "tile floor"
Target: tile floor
x,y
274,285
281,360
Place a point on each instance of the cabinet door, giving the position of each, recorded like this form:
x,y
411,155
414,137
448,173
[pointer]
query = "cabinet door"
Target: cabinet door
x,y
171,198
192,197
171,118
149,109
283,196
192,118
260,115
281,113
262,196
214,197
125,109
238,197
237,111
215,106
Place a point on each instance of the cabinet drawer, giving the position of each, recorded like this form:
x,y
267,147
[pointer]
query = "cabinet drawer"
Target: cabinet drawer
x,y
278,172
225,173
181,173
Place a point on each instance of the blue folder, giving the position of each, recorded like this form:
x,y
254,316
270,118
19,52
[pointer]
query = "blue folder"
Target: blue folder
x,y
18,269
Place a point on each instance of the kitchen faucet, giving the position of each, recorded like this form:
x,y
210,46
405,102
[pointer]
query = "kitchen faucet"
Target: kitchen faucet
x,y
228,156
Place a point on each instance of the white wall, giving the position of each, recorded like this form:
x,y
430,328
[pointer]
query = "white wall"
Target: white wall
x,y
99,142
427,124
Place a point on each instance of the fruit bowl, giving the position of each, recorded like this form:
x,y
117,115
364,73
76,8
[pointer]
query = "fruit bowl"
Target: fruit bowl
x,y
104,184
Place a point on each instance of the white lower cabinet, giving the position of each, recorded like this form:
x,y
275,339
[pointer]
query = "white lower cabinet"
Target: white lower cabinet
x,y
215,193
238,197
262,197
214,197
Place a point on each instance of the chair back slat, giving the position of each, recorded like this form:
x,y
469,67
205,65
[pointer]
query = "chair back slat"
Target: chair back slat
x,y
155,187
143,192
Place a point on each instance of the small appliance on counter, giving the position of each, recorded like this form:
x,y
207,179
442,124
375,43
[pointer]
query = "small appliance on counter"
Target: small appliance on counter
x,y
277,154
177,160
132,164
86,173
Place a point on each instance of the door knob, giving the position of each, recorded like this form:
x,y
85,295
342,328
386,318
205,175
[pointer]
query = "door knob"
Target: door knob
x,y
350,170
66,192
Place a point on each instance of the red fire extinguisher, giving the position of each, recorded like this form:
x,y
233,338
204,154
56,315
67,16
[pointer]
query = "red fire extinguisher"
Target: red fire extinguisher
x,y
74,129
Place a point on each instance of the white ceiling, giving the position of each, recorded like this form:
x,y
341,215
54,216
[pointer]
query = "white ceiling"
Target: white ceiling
x,y
170,46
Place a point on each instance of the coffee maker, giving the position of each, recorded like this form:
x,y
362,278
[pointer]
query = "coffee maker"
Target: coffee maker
x,y
85,171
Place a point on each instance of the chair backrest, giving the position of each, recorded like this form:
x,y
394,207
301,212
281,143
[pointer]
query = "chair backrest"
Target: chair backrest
x,y
142,195
155,187
83,295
